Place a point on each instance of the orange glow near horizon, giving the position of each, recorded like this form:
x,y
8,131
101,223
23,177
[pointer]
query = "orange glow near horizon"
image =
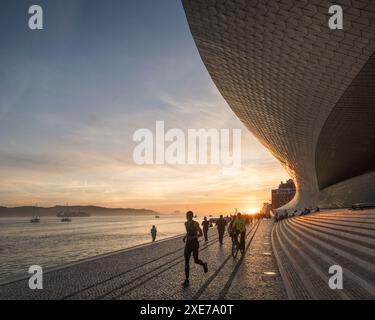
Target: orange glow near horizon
x,y
252,211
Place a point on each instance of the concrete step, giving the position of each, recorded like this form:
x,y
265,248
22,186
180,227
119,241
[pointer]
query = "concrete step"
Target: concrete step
x,y
311,265
355,268
365,220
335,245
305,272
353,223
366,241
293,282
362,250
358,282
344,227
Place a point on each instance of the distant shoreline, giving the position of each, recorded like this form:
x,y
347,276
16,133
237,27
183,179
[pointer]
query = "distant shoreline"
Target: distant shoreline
x,y
28,211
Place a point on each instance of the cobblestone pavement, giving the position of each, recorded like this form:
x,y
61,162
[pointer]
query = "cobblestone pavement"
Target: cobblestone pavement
x,y
156,271
258,276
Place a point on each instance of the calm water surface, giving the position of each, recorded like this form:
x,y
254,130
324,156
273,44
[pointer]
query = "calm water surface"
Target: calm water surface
x,y
51,242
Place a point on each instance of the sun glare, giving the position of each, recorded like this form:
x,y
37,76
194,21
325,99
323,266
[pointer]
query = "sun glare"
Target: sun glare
x,y
252,210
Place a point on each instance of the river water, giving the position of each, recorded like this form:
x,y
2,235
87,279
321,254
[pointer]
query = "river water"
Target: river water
x,y
52,243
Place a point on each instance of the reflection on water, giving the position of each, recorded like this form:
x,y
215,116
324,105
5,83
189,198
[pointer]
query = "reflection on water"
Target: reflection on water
x,y
52,243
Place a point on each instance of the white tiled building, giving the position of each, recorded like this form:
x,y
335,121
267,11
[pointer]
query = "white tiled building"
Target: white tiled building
x,y
305,91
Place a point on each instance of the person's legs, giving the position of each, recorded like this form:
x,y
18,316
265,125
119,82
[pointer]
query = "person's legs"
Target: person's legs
x,y
187,254
206,236
196,257
235,238
243,236
221,236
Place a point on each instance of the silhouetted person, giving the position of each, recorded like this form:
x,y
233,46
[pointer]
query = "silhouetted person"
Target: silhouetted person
x,y
154,231
221,223
205,225
306,211
276,216
193,232
251,220
239,227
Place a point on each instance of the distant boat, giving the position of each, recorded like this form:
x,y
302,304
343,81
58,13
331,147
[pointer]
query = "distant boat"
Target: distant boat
x,y
35,220
80,214
65,215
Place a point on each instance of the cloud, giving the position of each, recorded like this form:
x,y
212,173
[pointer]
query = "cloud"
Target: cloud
x,y
72,97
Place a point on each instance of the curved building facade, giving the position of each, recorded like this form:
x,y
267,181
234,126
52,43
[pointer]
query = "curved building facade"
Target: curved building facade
x,y
305,91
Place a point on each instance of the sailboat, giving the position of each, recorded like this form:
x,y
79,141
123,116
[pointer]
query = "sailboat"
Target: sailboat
x,y
36,218
66,219
65,216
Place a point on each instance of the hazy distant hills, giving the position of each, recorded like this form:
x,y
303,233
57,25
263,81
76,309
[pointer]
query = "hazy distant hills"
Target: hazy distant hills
x,y
28,211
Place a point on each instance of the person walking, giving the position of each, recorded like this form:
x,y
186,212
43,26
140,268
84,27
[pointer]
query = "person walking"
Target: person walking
x,y
154,231
205,225
221,223
193,232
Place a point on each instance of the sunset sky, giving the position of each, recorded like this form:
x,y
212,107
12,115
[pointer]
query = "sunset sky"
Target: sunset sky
x,y
72,95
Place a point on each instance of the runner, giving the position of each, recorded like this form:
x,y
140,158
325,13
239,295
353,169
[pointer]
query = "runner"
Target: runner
x,y
193,232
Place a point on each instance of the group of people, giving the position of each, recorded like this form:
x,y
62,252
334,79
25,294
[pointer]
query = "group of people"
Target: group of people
x,y
236,229
220,223
281,216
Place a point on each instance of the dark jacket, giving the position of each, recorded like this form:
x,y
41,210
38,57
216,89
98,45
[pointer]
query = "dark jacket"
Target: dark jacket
x,y
221,223
205,225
